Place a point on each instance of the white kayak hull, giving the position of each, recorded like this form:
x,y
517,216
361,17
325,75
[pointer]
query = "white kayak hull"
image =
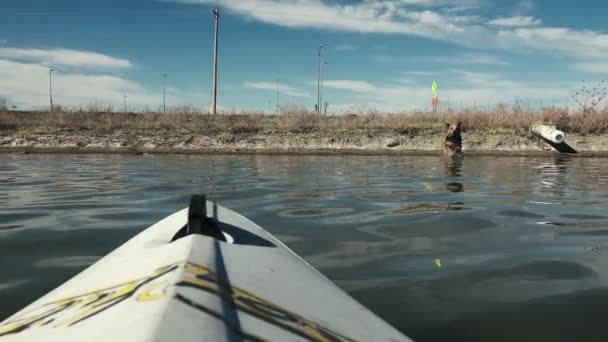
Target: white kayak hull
x,y
198,288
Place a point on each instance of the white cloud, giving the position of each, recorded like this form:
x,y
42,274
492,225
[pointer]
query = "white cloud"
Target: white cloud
x,y
65,58
486,80
518,21
349,85
470,59
460,8
364,17
473,88
47,13
27,86
462,4
383,58
419,73
345,47
593,67
406,18
482,58
401,80
524,7
272,86
582,45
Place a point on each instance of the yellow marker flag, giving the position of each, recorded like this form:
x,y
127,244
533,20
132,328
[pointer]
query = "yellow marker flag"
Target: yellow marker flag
x,y
434,89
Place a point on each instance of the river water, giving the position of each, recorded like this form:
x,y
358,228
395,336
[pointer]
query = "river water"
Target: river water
x,y
481,249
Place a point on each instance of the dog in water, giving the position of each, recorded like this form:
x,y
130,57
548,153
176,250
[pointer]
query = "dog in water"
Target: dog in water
x,y
452,143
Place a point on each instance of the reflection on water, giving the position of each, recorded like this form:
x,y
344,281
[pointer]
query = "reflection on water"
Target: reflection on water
x,y
453,169
523,242
553,175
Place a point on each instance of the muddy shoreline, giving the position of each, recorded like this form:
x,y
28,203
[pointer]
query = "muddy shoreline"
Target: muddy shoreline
x,y
475,143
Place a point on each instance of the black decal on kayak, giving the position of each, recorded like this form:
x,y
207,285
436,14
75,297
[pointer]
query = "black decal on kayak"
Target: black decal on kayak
x,y
243,237
205,280
72,310
107,301
76,309
25,322
217,315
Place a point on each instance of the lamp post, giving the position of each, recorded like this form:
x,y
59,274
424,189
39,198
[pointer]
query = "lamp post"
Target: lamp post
x,y
319,81
51,90
164,94
277,96
216,15
321,92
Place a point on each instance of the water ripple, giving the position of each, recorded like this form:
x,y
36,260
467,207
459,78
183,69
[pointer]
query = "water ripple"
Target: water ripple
x,y
505,229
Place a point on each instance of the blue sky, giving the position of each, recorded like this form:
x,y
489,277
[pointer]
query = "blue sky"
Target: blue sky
x,y
381,54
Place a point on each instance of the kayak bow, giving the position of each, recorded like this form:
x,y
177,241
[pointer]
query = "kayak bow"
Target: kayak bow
x,y
201,274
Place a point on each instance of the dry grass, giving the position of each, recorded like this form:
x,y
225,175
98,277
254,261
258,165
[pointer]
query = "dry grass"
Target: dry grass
x,y
182,120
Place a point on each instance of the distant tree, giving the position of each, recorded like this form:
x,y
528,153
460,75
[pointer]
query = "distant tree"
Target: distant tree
x,y
589,98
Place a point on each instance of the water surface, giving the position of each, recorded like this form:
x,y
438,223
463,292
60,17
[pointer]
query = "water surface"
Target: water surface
x,y
483,249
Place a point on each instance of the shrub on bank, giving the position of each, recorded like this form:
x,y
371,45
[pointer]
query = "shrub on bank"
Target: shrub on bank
x,y
299,121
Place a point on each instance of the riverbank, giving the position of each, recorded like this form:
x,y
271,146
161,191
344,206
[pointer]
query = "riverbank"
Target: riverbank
x,y
412,133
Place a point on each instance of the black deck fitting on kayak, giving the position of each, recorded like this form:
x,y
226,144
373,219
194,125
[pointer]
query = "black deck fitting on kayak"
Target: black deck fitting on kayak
x,y
198,222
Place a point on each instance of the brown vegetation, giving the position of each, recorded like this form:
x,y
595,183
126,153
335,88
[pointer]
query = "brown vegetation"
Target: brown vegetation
x,y
503,118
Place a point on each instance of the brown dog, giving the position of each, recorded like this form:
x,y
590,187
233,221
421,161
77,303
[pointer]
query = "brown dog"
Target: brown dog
x,y
452,143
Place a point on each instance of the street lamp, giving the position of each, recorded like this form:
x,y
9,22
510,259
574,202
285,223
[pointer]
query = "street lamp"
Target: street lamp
x,y
277,96
51,90
164,94
319,81
321,92
216,14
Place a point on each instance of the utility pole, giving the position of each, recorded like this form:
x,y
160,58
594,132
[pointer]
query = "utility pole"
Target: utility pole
x,y
269,107
216,14
164,94
51,90
277,96
321,92
125,97
319,81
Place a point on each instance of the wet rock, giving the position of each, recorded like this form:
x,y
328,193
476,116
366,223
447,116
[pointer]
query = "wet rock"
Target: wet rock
x,y
189,140
95,145
392,142
68,145
21,143
148,146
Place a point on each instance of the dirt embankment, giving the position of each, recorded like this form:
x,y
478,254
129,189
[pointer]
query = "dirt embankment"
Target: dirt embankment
x,y
187,142
495,133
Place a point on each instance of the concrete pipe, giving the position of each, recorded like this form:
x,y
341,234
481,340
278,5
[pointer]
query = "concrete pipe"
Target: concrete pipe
x,y
548,132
